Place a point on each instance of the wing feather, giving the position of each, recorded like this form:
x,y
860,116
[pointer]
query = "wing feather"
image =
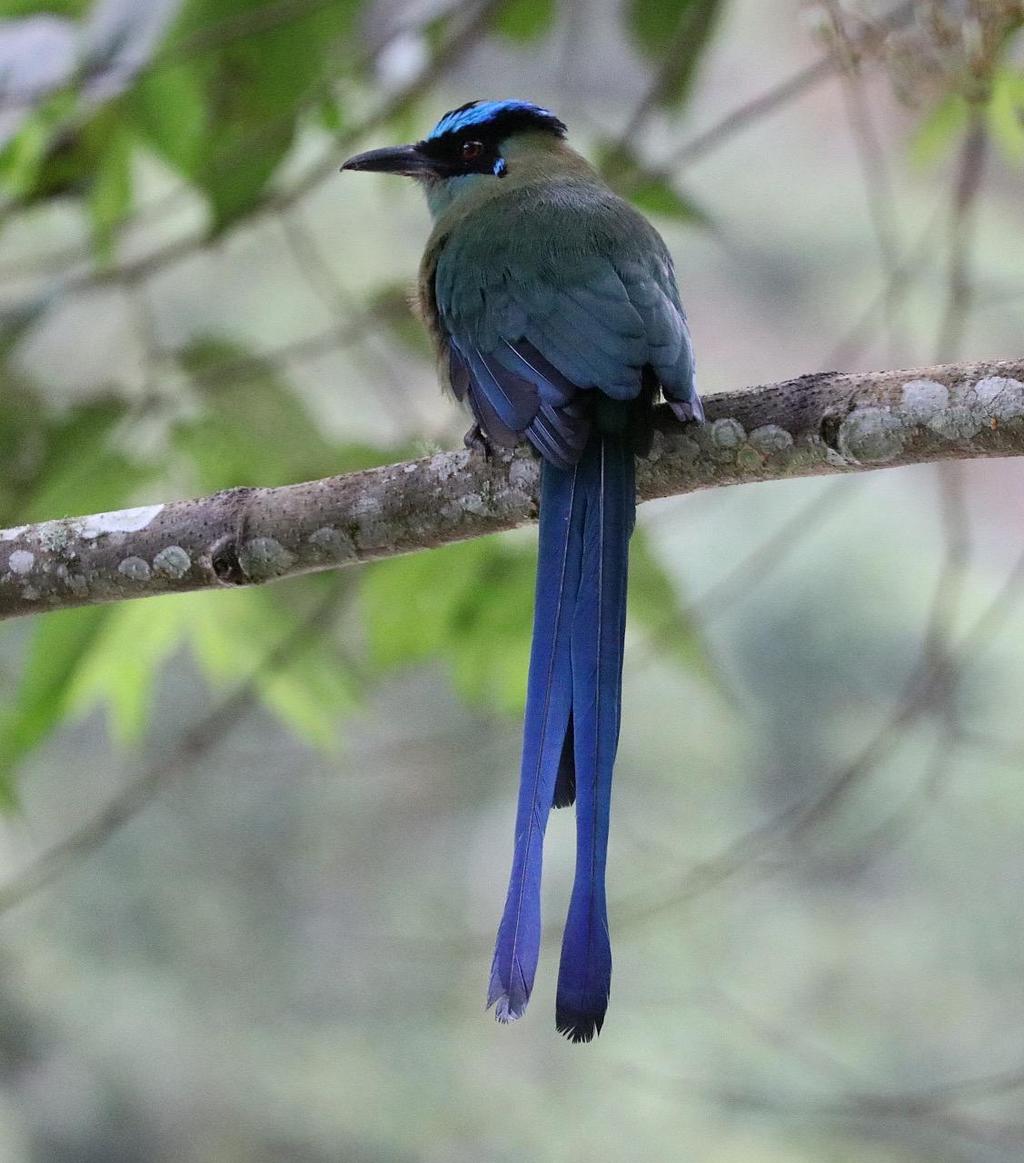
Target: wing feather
x,y
538,329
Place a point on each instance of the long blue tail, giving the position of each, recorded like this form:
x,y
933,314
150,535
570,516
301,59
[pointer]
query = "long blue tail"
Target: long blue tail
x,y
571,729
548,712
597,641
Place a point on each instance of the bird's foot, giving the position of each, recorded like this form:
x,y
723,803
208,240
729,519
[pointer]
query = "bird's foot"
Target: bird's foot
x,y
476,441
688,411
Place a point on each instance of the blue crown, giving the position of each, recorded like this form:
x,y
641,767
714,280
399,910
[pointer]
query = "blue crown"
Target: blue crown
x,y
498,117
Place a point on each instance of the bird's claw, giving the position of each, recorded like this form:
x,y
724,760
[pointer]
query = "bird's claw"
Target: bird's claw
x,y
476,441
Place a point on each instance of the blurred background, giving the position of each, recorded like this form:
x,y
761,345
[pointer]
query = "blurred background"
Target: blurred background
x,y
257,842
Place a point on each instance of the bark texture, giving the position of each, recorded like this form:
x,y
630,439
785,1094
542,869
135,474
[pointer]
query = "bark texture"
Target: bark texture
x,y
815,424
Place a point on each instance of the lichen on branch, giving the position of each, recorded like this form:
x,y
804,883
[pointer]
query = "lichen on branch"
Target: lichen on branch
x,y
817,424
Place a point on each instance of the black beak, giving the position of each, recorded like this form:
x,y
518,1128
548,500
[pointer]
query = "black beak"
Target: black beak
x,y
398,159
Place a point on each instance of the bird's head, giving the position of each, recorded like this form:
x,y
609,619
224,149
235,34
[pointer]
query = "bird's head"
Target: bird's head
x,y
478,142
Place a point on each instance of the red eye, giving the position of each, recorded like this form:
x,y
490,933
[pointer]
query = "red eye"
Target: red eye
x,y
471,150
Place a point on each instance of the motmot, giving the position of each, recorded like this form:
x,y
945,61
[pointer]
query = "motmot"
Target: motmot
x,y
553,308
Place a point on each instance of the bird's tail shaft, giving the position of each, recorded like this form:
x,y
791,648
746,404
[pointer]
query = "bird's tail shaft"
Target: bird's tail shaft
x,y
606,477
546,727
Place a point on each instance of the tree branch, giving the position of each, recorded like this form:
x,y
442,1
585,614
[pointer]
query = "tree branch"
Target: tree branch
x,y
816,424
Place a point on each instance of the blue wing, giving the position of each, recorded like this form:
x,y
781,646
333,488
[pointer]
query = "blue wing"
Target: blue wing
x,y
527,350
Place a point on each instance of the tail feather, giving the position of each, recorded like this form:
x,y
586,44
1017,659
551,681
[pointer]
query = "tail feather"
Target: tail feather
x,y
546,726
565,784
597,642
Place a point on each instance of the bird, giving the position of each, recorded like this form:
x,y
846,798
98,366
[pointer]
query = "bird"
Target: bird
x,y
553,308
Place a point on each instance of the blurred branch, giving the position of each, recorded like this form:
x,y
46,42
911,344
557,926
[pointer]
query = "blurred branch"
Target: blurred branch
x,y
935,663
380,365
751,571
678,59
878,187
931,685
752,111
470,21
927,683
765,558
467,31
970,173
817,424
802,81
933,681
236,27
889,298
794,1042
175,761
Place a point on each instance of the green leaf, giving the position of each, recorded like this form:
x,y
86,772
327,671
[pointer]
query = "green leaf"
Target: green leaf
x,y
436,31
411,604
110,197
1006,114
657,196
60,643
491,652
524,21
310,694
22,158
221,103
112,655
940,130
674,33
655,604
653,23
168,109
651,192
392,307
22,431
122,662
15,320
80,469
471,605
56,467
26,160
243,92
13,9
330,114
234,638
253,430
